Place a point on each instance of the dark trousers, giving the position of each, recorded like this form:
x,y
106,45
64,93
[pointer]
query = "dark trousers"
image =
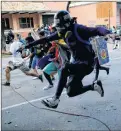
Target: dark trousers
x,y
75,72
30,61
48,78
98,67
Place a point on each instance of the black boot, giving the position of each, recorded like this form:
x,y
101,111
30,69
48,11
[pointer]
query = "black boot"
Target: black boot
x,y
107,70
6,84
41,77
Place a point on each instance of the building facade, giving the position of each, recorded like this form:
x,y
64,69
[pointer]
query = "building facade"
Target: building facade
x,y
97,13
23,16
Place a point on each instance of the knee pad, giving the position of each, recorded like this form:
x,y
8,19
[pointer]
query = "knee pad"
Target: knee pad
x,y
70,92
73,89
70,89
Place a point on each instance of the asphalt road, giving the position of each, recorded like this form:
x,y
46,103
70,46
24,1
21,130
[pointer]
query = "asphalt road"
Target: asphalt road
x,y
17,114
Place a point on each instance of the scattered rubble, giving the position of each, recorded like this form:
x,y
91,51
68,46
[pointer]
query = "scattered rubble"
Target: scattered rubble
x,y
9,122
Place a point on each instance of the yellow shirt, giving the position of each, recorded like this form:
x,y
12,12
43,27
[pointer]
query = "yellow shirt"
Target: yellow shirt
x,y
61,41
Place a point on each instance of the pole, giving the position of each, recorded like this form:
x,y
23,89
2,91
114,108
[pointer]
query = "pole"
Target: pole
x,y
67,6
109,18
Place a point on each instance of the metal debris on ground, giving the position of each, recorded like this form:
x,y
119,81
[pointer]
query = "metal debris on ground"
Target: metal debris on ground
x,y
9,122
69,121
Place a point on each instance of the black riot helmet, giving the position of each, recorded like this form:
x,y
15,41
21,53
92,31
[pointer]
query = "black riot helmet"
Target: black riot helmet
x,y
62,20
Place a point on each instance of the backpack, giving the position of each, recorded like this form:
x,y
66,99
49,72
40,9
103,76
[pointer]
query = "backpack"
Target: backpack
x,y
87,46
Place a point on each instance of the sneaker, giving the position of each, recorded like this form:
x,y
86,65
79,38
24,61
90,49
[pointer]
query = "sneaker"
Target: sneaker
x,y
114,48
51,102
6,84
41,78
47,87
98,87
34,78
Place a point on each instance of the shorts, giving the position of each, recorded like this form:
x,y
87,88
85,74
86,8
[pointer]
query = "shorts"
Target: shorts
x,y
23,67
35,62
52,68
42,62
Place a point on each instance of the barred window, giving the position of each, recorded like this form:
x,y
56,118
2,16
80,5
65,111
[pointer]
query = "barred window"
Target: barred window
x,y
26,22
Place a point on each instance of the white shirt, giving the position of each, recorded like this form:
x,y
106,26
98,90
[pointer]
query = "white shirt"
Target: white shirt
x,y
17,59
113,30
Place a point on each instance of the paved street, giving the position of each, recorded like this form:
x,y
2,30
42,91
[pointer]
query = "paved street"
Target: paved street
x,y
17,114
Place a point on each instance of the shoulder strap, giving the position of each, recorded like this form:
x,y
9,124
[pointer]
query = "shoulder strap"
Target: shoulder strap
x,y
87,44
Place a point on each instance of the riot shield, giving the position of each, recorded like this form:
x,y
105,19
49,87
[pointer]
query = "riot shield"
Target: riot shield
x,y
102,50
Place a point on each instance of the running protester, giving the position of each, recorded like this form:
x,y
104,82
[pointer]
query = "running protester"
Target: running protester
x,y
58,58
10,37
77,38
38,53
17,62
53,66
117,39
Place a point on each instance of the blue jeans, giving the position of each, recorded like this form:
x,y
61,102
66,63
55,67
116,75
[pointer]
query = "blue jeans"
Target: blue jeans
x,y
35,62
